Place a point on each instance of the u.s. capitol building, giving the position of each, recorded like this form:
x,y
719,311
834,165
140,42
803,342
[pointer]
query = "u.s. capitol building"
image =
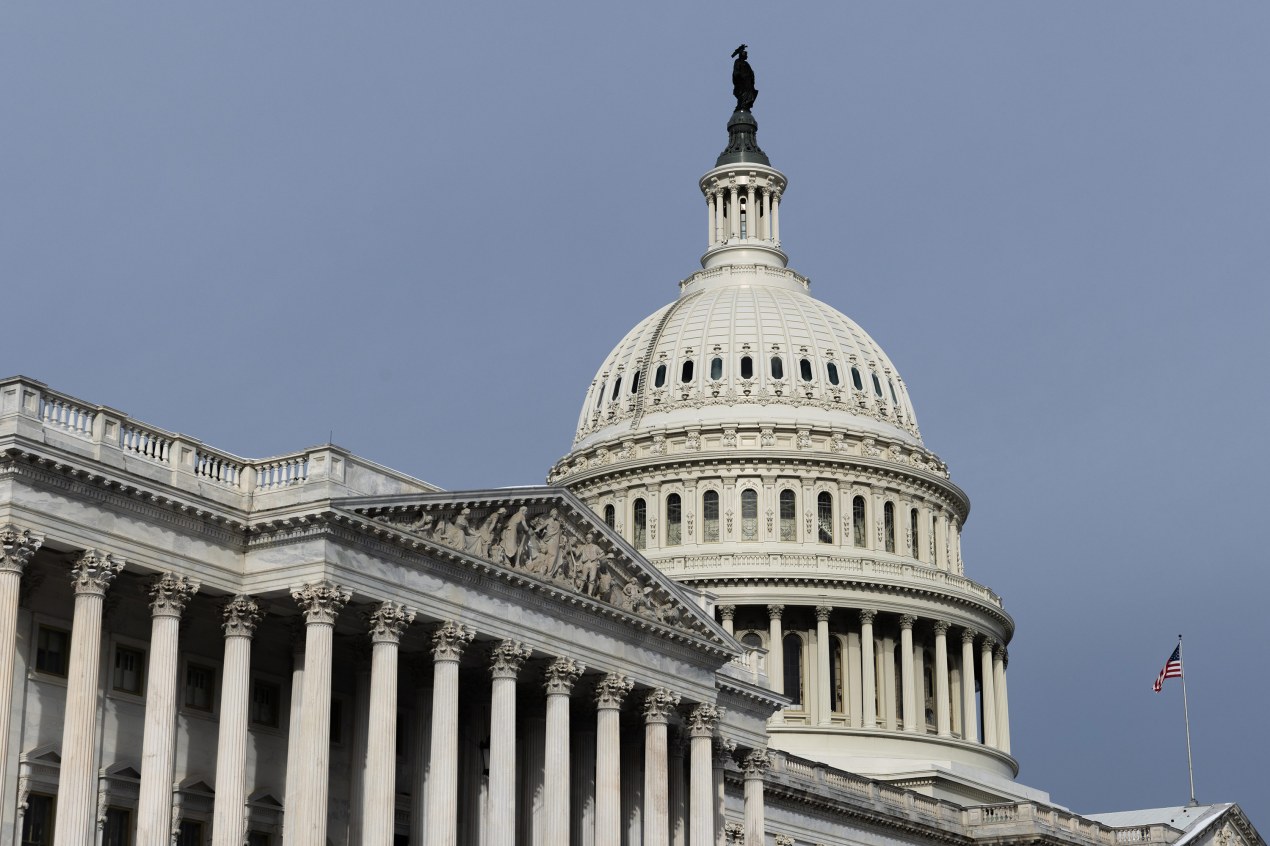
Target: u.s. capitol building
x,y
739,614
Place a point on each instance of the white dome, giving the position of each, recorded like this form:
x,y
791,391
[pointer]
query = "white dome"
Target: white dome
x,y
808,364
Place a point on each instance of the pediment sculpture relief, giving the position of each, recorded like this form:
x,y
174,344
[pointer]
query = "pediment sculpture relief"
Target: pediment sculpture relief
x,y
543,543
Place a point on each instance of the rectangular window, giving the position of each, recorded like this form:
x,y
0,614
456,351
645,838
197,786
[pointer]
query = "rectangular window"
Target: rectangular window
x,y
200,686
191,833
37,822
52,649
117,829
265,697
129,669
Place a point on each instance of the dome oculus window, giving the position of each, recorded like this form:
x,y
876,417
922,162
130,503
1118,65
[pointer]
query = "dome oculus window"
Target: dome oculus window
x,y
659,379
685,373
635,383
894,399
617,388
599,396
833,373
877,386
747,367
778,367
804,369
856,380
716,369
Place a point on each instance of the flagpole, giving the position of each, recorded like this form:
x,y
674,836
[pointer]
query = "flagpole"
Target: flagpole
x,y
1186,714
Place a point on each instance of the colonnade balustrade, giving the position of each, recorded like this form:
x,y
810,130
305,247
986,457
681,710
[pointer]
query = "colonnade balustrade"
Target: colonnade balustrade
x,y
865,669
668,812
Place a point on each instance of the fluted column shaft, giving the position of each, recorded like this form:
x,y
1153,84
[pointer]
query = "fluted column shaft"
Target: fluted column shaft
x,y
824,703
506,660
170,593
906,673
734,216
379,783
321,603
1003,719
294,720
722,749
751,218
969,715
448,642
767,214
989,691
561,676
701,725
775,649
229,811
678,796
421,753
755,766
943,720
16,548
657,709
776,218
608,758
868,668
709,219
92,573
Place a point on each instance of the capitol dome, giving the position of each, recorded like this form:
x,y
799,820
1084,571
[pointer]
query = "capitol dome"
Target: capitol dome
x,y
756,445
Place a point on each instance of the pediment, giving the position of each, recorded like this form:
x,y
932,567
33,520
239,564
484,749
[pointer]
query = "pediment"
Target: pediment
x,y
550,538
123,769
264,798
47,754
196,785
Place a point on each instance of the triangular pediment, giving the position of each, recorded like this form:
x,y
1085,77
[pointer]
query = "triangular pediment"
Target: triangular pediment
x,y
264,799
47,754
196,785
123,769
548,537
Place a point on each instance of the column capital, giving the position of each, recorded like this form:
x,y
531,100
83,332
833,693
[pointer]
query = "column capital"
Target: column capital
x,y
506,658
727,612
907,621
702,720
16,547
756,763
389,621
561,675
611,690
321,602
774,612
170,593
449,639
968,635
823,612
868,615
942,627
93,572
989,644
241,615
659,704
1000,652
723,750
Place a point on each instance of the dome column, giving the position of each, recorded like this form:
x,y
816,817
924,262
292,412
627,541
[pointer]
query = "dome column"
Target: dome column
x,y
1003,710
710,227
734,219
767,214
969,717
868,668
989,690
751,219
776,218
727,613
776,650
943,720
719,235
824,699
906,672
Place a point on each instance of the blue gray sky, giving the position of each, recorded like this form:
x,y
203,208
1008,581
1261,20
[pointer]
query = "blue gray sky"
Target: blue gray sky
x,y
422,226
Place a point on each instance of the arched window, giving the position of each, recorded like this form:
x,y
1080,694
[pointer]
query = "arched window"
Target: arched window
x,y
877,386
894,399
635,383
741,201
674,520
888,526
716,369
858,529
836,697
599,395
659,378
804,369
752,640
749,514
912,528
793,655
833,373
710,516
934,534
610,516
685,373
617,388
789,516
824,517
778,367
747,367
640,515
856,380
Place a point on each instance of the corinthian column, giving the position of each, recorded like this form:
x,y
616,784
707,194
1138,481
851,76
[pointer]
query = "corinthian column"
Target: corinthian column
x,y
722,749
321,603
988,688
906,673
169,595
448,642
701,725
506,659
16,548
754,767
241,615
1003,710
727,613
609,694
379,790
824,698
561,676
868,668
969,717
657,709
775,649
943,721
91,574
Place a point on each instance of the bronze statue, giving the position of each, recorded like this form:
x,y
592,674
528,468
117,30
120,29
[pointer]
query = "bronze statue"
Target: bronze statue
x,y
743,80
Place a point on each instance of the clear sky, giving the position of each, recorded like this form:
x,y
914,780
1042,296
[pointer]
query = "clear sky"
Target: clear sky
x,y
421,226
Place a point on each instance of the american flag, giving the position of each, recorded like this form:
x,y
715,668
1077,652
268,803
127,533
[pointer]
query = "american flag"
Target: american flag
x,y
1172,669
